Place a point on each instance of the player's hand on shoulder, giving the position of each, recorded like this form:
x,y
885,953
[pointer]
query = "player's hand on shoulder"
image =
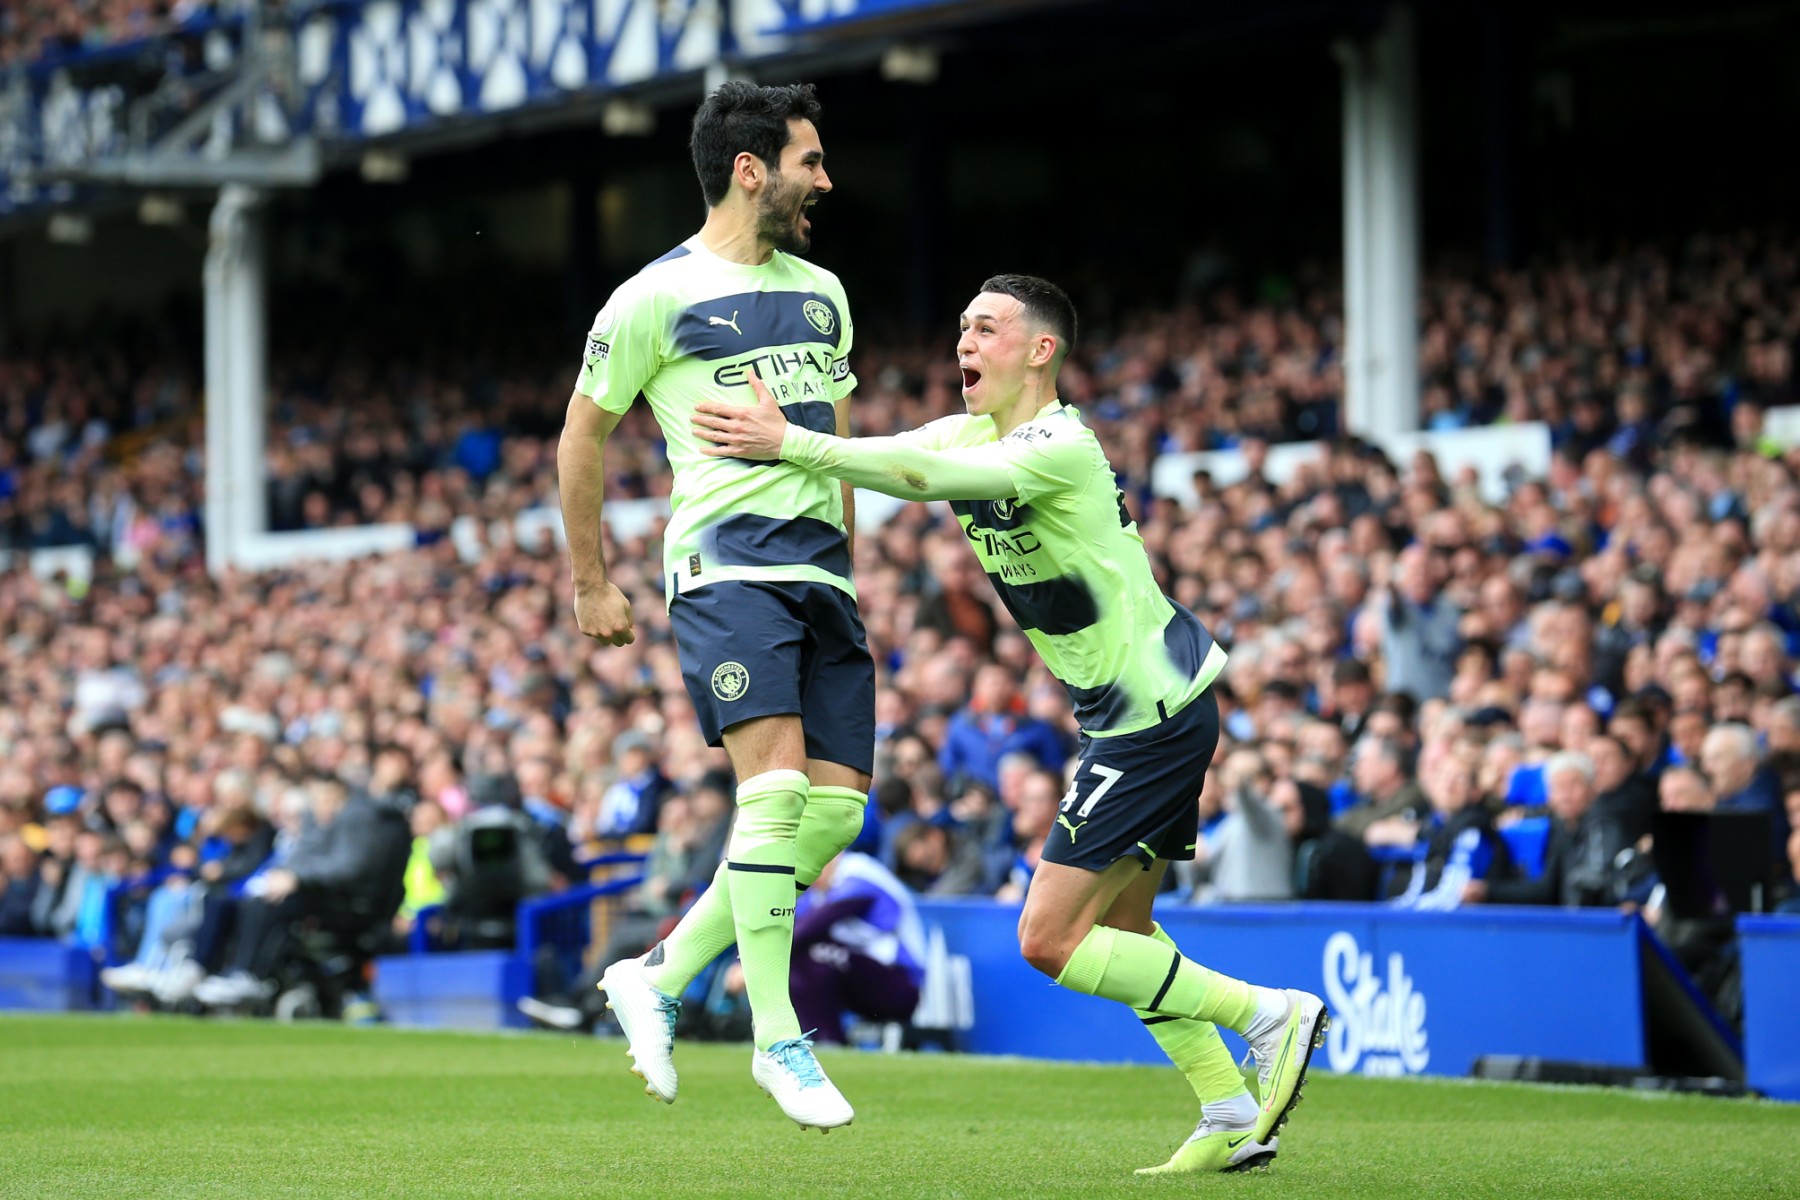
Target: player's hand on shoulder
x,y
753,430
604,614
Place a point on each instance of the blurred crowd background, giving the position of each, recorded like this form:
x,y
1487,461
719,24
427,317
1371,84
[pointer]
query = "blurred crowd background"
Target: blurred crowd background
x,y
1415,671
40,31
1441,692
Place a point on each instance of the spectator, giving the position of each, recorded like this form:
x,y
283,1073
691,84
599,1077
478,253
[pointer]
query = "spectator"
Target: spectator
x,y
1039,797
1578,860
1249,854
1352,693
993,725
1420,638
1684,789
1458,842
66,886
1791,903
1782,728
1732,763
348,876
955,602
933,860
423,888
19,883
630,805
1623,797
1388,802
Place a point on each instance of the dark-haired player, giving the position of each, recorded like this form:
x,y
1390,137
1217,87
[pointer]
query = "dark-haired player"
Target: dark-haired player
x,y
756,565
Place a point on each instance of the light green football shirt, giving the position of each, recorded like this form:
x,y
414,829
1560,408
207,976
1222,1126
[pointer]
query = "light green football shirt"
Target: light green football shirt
x,y
1052,532
692,327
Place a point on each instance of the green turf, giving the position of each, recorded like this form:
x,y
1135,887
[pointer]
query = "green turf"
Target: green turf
x,y
146,1107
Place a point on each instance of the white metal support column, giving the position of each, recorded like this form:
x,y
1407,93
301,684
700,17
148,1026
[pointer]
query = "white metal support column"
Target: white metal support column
x,y
236,373
1381,230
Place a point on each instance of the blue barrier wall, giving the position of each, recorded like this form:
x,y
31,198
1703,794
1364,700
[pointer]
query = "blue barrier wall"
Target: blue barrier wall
x,y
45,976
1410,993
1771,950
476,989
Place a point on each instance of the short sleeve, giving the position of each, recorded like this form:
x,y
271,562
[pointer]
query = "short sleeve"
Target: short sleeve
x,y
623,350
1046,461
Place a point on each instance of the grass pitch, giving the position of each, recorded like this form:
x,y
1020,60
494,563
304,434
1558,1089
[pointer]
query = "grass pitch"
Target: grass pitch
x,y
156,1107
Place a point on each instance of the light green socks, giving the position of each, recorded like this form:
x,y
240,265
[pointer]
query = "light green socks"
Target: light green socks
x,y
1153,976
706,931
759,863
833,818
831,821
1194,1047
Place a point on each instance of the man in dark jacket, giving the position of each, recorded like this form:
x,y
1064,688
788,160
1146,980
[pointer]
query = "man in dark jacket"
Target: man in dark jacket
x,y
1389,805
1622,796
1578,861
347,873
18,887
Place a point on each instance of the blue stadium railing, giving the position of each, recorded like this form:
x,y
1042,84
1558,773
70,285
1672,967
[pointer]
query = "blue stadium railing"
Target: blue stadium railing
x,y
561,925
559,918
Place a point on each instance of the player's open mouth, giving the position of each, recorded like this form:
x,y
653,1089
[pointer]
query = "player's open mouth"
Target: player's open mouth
x,y
971,377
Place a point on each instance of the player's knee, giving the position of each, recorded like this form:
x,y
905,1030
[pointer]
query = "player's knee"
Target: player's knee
x,y
1046,948
831,822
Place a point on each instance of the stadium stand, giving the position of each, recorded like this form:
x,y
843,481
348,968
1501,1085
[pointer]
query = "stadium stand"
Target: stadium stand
x,y
1432,697
44,31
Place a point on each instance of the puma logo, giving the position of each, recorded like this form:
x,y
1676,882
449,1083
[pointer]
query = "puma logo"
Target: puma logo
x,y
1073,829
731,324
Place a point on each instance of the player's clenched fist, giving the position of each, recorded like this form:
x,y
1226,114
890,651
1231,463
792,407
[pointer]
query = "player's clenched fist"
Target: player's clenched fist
x,y
604,614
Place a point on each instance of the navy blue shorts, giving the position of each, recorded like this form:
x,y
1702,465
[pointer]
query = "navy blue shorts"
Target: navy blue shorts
x,y
753,649
1138,793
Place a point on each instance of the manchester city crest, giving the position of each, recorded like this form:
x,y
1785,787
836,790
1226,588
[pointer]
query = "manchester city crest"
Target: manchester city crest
x,y
730,681
819,316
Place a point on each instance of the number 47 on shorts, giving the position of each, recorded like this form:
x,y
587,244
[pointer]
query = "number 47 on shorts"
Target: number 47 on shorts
x,y
1107,777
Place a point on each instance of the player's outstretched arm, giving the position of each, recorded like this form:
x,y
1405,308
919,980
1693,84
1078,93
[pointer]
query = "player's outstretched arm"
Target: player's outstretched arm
x,y
601,610
895,466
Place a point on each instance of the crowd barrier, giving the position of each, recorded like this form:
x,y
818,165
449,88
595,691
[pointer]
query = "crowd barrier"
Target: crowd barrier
x,y
1410,993
1771,956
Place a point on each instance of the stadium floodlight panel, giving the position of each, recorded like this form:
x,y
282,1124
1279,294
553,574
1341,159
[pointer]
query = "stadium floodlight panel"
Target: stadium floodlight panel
x,y
158,208
627,118
70,229
384,166
908,63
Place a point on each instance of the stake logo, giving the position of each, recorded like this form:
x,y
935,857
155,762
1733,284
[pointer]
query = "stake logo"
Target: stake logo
x,y
1377,1024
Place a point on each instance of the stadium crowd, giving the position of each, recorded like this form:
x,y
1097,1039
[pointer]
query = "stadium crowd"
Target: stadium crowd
x,y
47,30
1424,686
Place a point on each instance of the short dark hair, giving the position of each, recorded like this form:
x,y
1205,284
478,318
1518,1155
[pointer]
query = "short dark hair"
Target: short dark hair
x,y
740,116
1617,741
1044,303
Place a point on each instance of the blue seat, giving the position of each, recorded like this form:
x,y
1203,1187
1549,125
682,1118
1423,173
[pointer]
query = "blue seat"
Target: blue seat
x,y
1390,859
1528,840
1527,787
